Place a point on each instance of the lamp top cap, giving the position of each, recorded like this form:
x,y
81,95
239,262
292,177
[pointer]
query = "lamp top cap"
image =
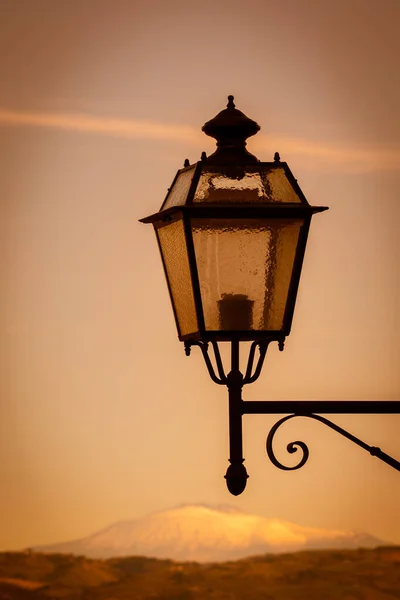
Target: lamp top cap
x,y
231,128
230,122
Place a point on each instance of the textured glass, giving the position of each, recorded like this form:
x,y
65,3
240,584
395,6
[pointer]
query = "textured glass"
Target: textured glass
x,y
173,248
180,189
253,185
245,268
279,187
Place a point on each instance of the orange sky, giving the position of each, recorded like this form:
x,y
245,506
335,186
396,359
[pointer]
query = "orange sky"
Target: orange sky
x,y
102,415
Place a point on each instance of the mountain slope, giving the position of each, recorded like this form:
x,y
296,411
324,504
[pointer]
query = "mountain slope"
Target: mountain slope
x,y
205,534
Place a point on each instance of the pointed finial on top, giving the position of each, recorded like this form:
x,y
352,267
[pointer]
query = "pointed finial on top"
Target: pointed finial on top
x,y
186,163
203,156
231,128
277,158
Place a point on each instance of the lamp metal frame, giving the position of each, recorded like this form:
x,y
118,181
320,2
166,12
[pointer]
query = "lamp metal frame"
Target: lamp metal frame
x,y
231,128
236,475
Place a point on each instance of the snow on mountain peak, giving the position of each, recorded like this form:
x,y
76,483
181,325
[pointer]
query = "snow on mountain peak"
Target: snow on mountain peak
x,y
203,533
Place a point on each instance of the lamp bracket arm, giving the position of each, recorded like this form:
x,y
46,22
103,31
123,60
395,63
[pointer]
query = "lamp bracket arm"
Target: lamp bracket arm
x,y
221,380
293,446
263,347
218,362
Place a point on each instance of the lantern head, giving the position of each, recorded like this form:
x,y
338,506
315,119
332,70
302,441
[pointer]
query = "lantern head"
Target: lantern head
x,y
232,233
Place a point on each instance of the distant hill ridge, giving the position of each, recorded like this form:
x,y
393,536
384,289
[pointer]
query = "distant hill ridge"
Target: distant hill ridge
x,y
205,533
368,574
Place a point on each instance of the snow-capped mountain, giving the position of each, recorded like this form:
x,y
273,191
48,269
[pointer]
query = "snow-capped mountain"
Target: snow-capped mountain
x,y
205,534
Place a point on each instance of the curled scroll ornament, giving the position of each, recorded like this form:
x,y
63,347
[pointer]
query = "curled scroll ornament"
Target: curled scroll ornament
x,y
292,447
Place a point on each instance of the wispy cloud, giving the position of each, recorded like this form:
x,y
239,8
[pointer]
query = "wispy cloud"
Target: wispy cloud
x,y
347,158
90,124
356,158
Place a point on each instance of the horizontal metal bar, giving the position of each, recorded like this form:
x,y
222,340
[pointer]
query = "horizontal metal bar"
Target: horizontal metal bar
x,y
305,407
238,211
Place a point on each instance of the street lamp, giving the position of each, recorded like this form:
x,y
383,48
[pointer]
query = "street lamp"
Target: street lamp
x,y
232,233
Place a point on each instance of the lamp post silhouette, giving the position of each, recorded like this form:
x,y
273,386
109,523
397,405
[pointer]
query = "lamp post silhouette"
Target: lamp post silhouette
x,y
232,233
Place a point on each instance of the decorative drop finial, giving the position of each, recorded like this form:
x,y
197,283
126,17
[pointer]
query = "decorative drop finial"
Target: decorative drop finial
x,y
230,104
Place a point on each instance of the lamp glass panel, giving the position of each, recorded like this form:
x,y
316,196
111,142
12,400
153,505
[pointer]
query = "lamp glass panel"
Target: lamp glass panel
x,y
278,187
180,189
245,185
174,252
245,268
